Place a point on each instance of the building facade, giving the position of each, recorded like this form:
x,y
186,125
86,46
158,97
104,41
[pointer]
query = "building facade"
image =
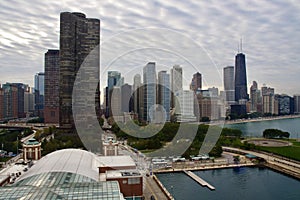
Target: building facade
x,y
297,103
32,150
1,104
176,82
10,101
137,86
255,98
269,103
196,84
113,79
126,93
51,111
240,80
285,104
164,93
29,101
79,36
228,77
39,93
184,108
149,78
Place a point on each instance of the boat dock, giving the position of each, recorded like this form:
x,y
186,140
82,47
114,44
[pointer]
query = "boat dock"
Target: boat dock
x,y
199,180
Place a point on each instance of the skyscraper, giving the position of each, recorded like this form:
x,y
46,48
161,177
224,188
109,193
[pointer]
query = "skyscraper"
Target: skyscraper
x,y
176,82
164,93
113,79
268,100
196,84
1,103
126,104
39,92
228,77
51,111
29,101
255,97
297,103
149,78
137,83
240,81
78,37
10,101
184,108
21,91
285,104
115,102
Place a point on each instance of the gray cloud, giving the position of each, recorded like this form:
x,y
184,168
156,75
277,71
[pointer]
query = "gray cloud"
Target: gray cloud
x,y
270,32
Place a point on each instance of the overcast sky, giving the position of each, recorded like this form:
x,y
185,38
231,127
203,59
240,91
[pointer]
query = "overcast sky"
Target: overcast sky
x,y
199,35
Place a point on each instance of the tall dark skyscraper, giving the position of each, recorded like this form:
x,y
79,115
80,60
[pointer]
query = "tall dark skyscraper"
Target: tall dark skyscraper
x,y
196,84
240,82
78,37
51,111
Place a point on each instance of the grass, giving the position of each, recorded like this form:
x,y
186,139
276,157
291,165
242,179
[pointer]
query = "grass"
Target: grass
x,y
292,152
4,159
147,150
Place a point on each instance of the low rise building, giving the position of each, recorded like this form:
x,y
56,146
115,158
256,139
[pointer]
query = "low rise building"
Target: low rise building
x,y
31,150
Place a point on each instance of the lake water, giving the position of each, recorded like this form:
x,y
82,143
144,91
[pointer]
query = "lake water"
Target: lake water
x,y
255,129
245,183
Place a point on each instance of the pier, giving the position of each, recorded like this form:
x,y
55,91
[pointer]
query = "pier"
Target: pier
x,y
199,180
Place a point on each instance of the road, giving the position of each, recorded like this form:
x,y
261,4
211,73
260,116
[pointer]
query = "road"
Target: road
x,y
143,163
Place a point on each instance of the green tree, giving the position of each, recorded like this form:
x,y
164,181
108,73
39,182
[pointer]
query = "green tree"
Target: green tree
x,y
101,121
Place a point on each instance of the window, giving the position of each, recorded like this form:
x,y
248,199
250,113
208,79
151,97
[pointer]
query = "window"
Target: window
x,y
133,181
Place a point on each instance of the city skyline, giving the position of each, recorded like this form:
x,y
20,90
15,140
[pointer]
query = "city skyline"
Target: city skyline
x,y
269,31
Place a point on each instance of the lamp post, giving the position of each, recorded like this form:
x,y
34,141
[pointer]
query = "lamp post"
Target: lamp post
x,y
17,145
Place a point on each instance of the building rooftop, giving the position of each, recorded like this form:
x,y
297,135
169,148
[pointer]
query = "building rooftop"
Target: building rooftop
x,y
63,174
31,141
117,174
116,161
97,190
75,161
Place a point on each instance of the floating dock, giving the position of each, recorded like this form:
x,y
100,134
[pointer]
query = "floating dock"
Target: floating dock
x,y
199,180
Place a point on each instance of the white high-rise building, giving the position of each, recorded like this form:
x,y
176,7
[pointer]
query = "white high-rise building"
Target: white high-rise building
x,y
184,108
176,81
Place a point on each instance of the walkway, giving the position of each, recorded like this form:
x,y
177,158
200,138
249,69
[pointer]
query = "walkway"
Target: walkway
x,y
199,180
285,165
153,189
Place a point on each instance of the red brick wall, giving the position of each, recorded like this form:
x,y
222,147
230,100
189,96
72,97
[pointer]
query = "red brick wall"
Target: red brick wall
x,y
129,190
48,115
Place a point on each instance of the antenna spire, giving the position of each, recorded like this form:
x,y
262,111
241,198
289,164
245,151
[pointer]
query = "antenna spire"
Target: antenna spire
x,y
241,45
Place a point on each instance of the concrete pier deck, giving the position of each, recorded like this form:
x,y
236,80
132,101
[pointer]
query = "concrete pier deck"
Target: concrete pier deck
x,y
199,180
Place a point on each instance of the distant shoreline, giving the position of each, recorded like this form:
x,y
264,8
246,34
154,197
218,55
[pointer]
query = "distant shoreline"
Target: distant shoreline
x,y
240,121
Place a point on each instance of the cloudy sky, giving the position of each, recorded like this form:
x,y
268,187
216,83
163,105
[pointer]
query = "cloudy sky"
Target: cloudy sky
x,y
199,35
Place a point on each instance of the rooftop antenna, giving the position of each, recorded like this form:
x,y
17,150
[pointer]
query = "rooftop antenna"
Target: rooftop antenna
x,y
241,45
238,48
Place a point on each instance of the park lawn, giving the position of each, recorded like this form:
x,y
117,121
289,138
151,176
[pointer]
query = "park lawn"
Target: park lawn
x,y
147,150
292,152
4,159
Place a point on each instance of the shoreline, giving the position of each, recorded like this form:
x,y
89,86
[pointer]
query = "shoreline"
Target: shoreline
x,y
240,121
